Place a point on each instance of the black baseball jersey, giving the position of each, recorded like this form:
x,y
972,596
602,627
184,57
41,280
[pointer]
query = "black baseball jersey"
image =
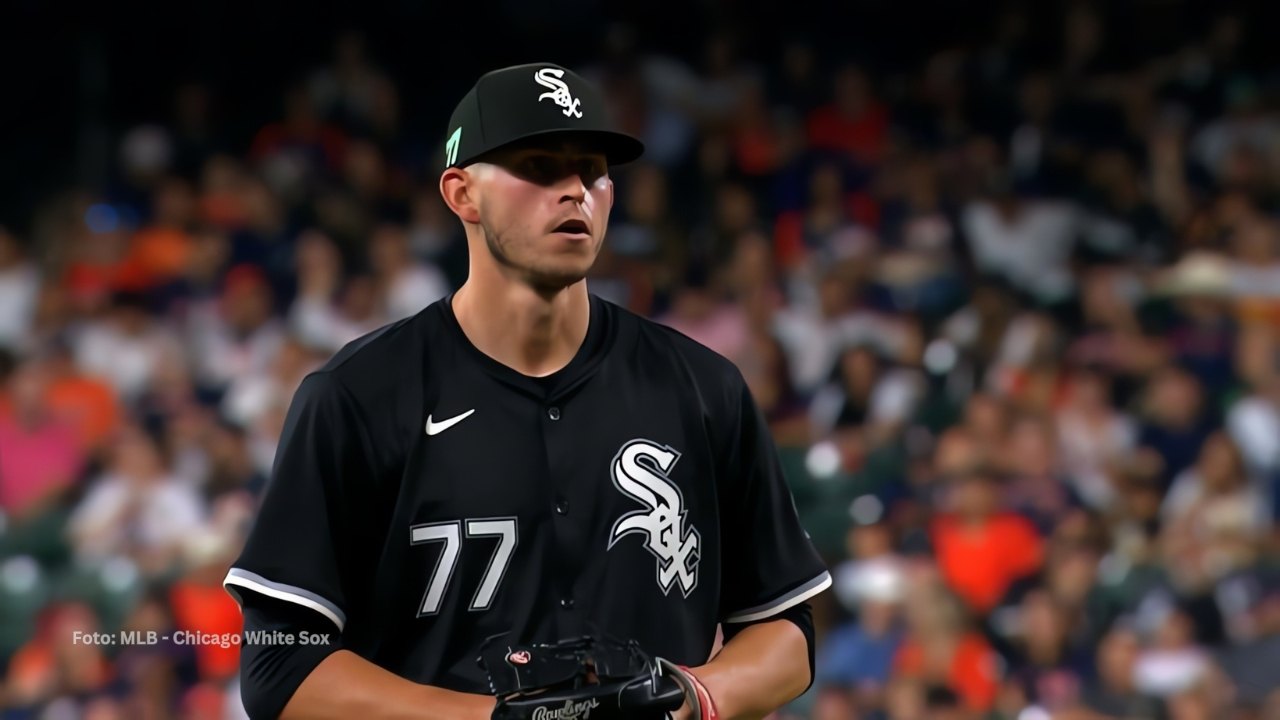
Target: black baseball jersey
x,y
426,497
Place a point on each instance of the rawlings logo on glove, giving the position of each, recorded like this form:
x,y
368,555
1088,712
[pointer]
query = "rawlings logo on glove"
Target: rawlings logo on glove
x,y
571,710
588,679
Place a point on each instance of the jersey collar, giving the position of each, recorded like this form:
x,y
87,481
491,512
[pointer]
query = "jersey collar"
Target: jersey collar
x,y
600,335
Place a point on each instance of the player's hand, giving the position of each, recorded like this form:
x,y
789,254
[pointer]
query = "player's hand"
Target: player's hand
x,y
611,679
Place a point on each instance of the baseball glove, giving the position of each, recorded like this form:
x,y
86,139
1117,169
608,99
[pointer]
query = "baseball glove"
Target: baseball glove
x,y
587,678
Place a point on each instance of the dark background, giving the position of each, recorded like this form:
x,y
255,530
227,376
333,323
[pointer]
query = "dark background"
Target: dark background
x,y
74,74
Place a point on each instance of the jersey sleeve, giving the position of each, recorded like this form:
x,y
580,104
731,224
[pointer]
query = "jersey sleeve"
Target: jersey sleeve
x,y
770,565
298,549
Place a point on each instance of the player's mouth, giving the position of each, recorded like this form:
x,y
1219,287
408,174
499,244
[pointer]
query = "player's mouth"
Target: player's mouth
x,y
573,229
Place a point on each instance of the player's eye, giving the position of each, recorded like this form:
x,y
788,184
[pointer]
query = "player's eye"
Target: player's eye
x,y
541,169
549,169
590,169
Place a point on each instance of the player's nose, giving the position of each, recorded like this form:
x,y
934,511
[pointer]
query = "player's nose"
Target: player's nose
x,y
572,188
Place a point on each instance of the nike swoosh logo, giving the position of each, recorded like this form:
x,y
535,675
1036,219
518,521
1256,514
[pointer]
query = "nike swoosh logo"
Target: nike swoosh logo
x,y
435,428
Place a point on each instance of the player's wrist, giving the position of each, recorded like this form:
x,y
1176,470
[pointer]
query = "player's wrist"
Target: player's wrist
x,y
480,707
701,704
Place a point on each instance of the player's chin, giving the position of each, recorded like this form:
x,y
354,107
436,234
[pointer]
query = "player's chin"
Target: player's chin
x,y
554,279
573,263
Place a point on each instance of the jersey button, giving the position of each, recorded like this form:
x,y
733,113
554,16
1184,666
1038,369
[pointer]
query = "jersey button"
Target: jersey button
x,y
553,413
562,506
566,603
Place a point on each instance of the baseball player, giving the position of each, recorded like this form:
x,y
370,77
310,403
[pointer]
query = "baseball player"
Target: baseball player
x,y
523,459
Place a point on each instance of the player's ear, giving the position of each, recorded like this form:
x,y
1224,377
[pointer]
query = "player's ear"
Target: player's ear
x,y
458,188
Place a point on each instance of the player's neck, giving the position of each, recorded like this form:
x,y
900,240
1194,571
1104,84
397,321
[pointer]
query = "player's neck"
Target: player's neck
x,y
529,333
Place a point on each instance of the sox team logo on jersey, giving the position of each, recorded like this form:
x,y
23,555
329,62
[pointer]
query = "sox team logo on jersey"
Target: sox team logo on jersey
x,y
641,470
560,95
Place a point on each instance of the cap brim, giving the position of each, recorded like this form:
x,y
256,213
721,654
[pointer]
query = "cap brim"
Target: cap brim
x,y
618,148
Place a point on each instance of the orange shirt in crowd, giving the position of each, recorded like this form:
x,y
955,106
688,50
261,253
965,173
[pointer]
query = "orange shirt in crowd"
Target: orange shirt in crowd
x,y
88,404
862,137
209,609
160,253
1263,311
45,661
36,666
972,674
156,255
85,281
979,562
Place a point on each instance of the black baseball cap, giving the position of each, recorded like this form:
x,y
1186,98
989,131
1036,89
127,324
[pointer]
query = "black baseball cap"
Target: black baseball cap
x,y
521,102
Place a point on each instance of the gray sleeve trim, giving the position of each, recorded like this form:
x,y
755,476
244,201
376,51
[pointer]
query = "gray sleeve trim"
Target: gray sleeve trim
x,y
238,578
777,605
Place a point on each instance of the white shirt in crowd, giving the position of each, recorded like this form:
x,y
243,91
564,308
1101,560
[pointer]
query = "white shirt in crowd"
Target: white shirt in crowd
x,y
895,396
219,357
1088,449
1030,249
413,289
1243,510
19,289
128,362
814,343
318,323
167,510
1254,425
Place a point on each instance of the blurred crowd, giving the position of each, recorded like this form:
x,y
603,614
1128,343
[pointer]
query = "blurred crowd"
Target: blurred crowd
x,y
1013,316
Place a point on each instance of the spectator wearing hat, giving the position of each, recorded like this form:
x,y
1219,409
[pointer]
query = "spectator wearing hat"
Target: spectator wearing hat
x,y
857,658
870,588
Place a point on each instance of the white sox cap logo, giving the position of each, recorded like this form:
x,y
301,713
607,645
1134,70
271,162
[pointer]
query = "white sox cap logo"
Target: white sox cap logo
x,y
641,471
550,78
